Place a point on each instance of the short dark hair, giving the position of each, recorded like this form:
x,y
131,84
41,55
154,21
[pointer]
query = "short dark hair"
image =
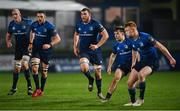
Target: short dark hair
x,y
86,9
130,24
119,27
41,11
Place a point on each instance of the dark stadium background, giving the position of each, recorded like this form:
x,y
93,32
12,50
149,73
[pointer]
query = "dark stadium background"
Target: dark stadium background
x,y
66,87
161,18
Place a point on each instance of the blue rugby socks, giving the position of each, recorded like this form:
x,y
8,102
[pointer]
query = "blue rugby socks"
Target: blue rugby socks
x,y
88,75
43,82
132,93
27,76
36,80
142,87
98,84
15,80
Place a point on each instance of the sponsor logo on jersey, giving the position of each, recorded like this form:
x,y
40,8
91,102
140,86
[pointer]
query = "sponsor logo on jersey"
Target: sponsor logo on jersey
x,y
91,28
44,30
141,44
23,27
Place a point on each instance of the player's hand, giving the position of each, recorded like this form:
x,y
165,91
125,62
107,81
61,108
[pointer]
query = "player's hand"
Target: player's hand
x,y
76,51
172,62
93,46
46,46
9,44
109,71
30,48
133,64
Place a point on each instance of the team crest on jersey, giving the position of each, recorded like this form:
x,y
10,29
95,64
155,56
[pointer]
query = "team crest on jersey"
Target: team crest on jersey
x,y
138,49
79,29
13,28
23,26
125,46
44,30
133,46
91,28
141,44
151,39
117,48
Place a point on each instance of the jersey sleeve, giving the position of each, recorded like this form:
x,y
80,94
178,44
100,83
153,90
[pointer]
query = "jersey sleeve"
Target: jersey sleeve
x,y
114,49
151,40
76,28
52,31
29,23
10,28
99,27
32,28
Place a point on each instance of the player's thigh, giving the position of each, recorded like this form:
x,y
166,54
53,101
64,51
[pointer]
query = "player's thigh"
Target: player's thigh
x,y
118,74
84,61
97,69
133,77
25,62
144,72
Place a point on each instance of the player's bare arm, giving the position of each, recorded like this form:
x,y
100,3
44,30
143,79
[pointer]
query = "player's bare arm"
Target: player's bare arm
x,y
8,40
75,46
104,38
135,58
165,51
111,61
55,40
32,35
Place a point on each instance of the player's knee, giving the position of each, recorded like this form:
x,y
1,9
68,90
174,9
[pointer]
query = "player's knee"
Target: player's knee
x,y
84,64
141,76
45,71
130,84
35,65
98,71
25,66
25,62
17,66
17,70
84,67
117,78
35,69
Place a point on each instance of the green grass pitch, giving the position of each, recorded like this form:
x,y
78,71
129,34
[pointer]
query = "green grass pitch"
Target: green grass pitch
x,y
69,91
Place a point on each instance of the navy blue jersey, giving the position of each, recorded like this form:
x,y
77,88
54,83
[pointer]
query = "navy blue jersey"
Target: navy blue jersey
x,y
145,46
123,51
88,34
43,33
20,31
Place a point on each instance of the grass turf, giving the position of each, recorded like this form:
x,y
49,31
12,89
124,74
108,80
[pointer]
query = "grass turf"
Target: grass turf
x,y
69,91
